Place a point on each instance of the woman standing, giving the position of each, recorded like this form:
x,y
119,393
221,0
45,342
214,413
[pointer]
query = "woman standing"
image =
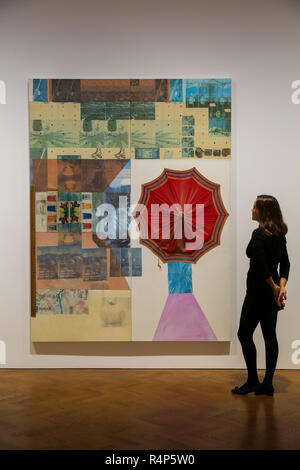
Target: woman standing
x,y
265,292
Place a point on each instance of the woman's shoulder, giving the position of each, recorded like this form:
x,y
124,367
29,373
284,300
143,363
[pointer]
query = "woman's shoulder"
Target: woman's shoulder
x,y
260,233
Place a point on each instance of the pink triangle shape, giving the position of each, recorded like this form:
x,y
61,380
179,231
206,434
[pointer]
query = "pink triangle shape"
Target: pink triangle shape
x,y
183,320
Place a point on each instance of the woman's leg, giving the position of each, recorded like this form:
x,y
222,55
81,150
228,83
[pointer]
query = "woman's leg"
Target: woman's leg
x,y
248,322
268,325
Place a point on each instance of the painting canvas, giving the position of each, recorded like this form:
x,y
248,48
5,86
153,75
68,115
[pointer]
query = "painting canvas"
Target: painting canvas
x,y
99,150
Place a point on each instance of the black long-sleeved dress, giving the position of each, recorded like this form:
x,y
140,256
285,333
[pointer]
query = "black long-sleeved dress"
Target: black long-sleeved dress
x,y
265,253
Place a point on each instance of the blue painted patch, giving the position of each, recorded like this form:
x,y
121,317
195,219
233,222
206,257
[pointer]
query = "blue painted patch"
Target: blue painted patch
x,y
94,264
31,172
131,261
187,142
220,126
97,200
74,196
188,120
180,278
176,94
125,262
144,153
136,260
74,227
40,90
120,187
200,92
187,152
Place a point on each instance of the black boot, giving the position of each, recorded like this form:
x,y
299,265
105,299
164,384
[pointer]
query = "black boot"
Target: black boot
x,y
247,387
265,389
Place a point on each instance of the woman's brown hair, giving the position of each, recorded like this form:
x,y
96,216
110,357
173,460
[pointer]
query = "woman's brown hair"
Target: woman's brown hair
x,y
270,216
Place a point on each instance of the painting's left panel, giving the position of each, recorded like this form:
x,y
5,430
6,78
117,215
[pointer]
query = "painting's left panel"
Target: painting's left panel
x,y
79,161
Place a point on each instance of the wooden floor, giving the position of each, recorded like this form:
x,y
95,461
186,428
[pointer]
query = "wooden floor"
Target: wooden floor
x,y
145,409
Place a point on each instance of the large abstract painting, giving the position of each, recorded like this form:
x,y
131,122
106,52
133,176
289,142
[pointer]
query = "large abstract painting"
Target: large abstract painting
x,y
110,158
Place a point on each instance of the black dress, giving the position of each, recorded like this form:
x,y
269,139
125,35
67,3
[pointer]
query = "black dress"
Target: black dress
x,y
259,306
265,253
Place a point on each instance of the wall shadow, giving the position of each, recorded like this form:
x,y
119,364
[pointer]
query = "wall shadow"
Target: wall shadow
x,y
128,348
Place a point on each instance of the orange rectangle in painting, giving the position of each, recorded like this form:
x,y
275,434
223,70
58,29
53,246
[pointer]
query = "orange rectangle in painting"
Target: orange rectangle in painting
x,y
87,240
105,90
142,90
40,174
46,239
153,90
86,205
52,173
51,218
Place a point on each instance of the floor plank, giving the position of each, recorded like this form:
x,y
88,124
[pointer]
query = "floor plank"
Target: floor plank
x,y
145,409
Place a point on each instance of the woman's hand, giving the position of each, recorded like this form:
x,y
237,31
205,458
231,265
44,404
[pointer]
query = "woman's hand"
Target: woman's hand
x,y
282,295
279,295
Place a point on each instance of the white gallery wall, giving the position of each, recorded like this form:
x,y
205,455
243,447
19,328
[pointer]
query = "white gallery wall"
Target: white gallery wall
x,y
256,44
